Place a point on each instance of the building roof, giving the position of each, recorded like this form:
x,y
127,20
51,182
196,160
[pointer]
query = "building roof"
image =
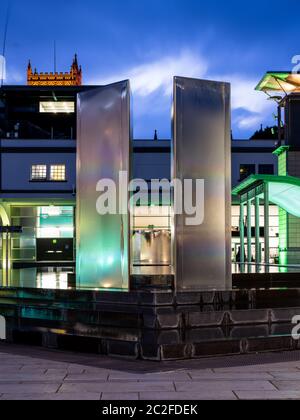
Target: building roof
x,y
284,191
280,81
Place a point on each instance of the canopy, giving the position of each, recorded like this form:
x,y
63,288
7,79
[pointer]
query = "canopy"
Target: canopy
x,y
287,82
284,191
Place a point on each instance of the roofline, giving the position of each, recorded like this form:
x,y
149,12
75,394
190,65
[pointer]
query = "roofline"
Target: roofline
x,y
253,180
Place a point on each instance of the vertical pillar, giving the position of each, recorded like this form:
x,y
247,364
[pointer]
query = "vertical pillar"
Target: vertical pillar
x,y
249,233
103,153
267,223
6,248
242,234
257,231
201,152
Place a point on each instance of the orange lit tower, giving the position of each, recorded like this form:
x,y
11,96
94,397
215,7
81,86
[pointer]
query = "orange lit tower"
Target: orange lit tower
x,y
73,78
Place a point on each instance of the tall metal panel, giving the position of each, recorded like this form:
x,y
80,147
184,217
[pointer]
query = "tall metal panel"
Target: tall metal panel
x,y
201,150
103,145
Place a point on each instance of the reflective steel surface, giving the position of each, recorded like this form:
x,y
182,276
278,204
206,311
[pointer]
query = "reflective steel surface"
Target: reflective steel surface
x,y
103,146
201,150
58,278
151,247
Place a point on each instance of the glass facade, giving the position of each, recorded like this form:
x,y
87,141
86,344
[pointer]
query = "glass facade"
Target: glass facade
x,y
39,222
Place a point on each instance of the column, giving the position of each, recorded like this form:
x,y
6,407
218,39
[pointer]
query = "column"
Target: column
x,y
103,153
267,224
201,143
249,233
257,231
242,234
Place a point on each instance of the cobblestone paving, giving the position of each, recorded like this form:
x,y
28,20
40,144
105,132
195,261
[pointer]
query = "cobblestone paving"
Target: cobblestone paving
x,y
28,373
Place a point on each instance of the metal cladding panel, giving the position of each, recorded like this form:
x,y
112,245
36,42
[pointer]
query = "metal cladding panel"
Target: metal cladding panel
x,y
201,150
103,147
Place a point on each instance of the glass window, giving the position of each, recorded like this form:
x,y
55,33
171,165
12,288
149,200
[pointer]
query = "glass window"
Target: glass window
x,y
38,172
266,169
246,170
58,173
57,107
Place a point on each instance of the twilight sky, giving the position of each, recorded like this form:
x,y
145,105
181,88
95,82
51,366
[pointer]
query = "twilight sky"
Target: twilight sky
x,y
149,41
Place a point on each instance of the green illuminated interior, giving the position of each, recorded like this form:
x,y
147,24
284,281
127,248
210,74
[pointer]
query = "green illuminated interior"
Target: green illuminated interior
x,y
284,191
283,215
55,222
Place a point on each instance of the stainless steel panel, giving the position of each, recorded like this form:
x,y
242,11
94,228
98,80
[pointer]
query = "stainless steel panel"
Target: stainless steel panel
x,y
201,150
103,146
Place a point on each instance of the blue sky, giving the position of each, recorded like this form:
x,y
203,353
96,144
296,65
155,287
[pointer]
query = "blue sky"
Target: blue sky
x,y
150,41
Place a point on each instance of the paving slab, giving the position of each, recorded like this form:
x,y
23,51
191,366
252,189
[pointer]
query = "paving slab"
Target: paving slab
x,y
268,395
217,385
125,396
113,387
30,377
287,385
183,396
160,376
87,377
240,376
32,374
88,396
27,388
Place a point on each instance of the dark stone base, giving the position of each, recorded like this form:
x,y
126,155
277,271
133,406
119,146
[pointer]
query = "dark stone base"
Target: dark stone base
x,y
157,325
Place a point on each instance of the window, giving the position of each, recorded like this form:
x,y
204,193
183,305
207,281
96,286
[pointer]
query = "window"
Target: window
x,y
266,169
57,107
57,173
246,170
38,172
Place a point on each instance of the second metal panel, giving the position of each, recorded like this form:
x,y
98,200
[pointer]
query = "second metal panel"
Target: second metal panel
x,y
103,147
201,150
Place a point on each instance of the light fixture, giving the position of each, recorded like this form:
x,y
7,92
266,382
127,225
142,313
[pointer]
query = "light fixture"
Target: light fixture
x,y
57,107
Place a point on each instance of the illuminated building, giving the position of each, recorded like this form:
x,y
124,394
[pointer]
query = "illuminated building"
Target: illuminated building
x,y
38,134
37,192
72,78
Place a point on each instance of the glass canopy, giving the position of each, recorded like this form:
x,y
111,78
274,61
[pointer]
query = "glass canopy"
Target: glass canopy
x,y
284,191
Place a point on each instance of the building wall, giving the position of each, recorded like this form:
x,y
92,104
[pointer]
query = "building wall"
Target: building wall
x,y
252,152
152,159
17,158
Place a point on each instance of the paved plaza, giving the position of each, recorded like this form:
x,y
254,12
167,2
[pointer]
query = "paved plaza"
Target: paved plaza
x,y
29,373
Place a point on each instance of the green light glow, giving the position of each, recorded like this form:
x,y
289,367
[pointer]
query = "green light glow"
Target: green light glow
x,y
283,215
286,196
284,191
55,222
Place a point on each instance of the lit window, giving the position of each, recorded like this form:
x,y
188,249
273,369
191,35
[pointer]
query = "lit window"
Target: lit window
x,y
58,173
38,172
246,170
57,107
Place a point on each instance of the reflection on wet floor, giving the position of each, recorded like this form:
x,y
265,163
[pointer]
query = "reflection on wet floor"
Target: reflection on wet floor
x,y
61,277
148,270
262,268
49,278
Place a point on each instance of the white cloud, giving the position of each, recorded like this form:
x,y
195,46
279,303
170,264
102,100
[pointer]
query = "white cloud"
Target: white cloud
x,y
156,77
245,97
147,78
249,121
